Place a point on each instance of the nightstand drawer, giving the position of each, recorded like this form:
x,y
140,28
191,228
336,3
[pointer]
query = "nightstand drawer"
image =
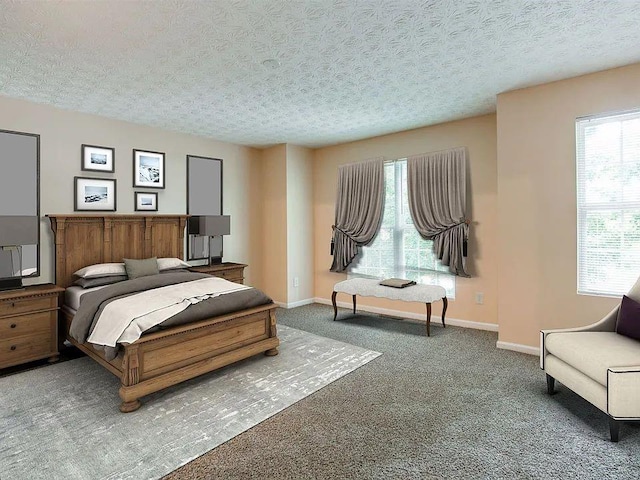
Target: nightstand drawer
x,y
17,350
234,272
16,307
33,324
226,274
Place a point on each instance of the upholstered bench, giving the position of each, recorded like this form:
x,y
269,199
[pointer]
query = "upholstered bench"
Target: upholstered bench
x,y
370,288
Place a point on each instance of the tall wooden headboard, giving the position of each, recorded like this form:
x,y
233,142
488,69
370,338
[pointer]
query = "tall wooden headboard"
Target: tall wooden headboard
x,y
83,240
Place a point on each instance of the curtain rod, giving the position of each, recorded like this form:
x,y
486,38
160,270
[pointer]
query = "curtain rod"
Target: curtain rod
x,y
425,153
370,159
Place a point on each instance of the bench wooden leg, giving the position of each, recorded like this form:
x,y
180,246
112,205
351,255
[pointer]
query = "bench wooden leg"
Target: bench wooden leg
x,y
445,303
354,304
335,307
428,319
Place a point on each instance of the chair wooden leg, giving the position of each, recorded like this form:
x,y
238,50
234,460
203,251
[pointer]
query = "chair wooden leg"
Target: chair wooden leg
x,y
354,304
614,429
551,382
428,319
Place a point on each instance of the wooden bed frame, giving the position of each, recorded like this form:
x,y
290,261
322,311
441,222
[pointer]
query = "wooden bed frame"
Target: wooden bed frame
x,y
170,356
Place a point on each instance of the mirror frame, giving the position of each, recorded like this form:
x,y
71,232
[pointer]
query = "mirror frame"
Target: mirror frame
x,y
37,138
189,235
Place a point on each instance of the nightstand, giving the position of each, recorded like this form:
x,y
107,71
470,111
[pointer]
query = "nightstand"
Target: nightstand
x,y
234,272
29,324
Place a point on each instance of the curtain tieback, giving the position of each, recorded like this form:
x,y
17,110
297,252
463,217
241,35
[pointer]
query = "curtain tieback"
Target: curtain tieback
x,y
452,226
343,232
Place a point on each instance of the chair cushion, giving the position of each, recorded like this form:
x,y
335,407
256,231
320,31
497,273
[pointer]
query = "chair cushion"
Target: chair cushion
x,y
629,318
592,353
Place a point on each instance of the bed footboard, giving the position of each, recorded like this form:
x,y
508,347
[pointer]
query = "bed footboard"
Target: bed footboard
x,y
168,357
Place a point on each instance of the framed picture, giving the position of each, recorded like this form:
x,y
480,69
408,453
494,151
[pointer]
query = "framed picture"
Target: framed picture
x,y
148,169
146,202
98,159
94,194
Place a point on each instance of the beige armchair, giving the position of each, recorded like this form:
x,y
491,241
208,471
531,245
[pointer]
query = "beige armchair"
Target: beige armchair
x,y
598,364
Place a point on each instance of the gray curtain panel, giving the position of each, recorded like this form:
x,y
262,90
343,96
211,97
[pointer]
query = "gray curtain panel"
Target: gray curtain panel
x,y
359,206
437,202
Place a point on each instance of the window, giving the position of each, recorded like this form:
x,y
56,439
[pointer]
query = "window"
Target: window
x,y
398,250
608,167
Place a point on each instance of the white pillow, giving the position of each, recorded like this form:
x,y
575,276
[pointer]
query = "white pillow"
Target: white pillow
x,y
101,270
171,263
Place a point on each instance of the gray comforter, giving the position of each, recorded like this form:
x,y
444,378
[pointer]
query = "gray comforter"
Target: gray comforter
x,y
93,303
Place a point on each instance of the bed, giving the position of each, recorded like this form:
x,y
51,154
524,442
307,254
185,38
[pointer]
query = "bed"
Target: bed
x,y
166,357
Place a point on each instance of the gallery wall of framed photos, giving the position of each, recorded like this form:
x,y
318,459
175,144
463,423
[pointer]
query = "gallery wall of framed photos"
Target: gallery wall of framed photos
x,y
99,194
112,142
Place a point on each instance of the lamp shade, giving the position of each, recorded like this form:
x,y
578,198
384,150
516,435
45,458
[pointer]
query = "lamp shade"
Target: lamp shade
x,y
215,225
18,230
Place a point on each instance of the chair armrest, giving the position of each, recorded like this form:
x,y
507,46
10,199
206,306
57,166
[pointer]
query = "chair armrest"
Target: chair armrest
x,y
623,392
607,324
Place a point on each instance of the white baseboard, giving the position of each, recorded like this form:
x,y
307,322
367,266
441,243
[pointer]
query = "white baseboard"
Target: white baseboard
x,y
299,303
420,318
417,317
518,347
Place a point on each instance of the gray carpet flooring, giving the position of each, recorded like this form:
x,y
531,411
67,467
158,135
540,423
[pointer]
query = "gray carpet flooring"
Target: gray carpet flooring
x,y
62,422
450,406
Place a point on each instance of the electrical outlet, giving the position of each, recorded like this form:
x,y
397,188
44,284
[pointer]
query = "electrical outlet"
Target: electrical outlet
x,y
296,282
479,298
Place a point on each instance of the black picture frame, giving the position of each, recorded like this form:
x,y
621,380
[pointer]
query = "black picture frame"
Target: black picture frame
x,y
88,202
145,177
138,201
89,163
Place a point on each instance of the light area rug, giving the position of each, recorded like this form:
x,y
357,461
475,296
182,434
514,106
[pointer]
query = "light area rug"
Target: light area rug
x,y
62,421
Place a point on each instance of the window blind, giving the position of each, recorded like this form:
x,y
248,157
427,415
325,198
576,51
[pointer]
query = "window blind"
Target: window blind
x,y
608,201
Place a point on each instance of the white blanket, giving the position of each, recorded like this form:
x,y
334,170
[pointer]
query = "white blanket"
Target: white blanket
x,y
124,320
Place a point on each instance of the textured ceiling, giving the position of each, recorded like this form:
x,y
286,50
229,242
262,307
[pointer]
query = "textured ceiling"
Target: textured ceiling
x,y
349,69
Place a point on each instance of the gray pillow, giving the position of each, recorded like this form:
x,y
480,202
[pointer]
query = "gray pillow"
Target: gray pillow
x,y
99,281
141,268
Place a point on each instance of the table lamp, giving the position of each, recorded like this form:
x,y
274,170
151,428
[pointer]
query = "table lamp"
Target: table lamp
x,y
214,226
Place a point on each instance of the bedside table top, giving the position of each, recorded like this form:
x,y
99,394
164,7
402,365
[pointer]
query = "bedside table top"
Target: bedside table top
x,y
31,291
219,266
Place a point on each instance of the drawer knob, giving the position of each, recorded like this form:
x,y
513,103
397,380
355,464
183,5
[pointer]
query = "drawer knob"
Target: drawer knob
x,y
13,325
13,347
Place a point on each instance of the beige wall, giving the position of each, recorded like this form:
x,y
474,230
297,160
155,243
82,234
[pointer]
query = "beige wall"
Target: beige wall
x,y
281,200
299,223
287,213
537,200
61,134
479,135
273,207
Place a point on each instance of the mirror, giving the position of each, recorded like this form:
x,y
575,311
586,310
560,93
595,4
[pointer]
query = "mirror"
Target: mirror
x,y
204,197
20,195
